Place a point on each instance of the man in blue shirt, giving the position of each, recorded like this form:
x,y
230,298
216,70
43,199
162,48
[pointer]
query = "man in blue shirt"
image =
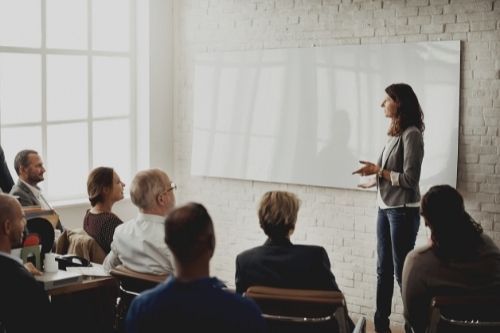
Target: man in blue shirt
x,y
192,301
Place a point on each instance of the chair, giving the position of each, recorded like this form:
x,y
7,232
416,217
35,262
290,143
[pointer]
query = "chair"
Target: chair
x,y
465,314
45,231
79,243
132,283
297,310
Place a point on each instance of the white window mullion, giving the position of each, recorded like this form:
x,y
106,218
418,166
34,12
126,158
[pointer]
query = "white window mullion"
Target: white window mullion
x,y
59,71
89,86
43,124
133,87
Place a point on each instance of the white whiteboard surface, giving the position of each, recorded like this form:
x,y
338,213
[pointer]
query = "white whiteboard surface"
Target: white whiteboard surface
x,y
307,115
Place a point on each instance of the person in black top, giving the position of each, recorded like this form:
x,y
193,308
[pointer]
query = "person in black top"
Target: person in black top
x,y
279,263
6,181
24,305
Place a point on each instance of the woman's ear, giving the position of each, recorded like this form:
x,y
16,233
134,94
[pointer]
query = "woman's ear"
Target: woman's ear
x,y
106,191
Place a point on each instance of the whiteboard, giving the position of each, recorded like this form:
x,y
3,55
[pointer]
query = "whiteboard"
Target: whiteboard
x,y
307,115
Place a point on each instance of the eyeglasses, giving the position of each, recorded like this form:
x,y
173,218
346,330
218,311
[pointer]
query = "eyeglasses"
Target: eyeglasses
x,y
173,187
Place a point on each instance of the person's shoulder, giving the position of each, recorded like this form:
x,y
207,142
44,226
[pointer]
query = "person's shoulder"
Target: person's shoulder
x,y
235,300
148,298
249,253
411,131
420,253
489,245
8,264
115,219
13,270
310,249
126,225
18,187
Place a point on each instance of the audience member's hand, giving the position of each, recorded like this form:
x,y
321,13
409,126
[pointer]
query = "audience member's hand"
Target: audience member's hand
x,y
32,269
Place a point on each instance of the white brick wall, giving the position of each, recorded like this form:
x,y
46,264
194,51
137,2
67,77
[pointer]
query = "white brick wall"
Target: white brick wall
x,y
342,221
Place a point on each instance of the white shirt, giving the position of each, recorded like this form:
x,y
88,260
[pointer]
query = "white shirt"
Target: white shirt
x,y
139,245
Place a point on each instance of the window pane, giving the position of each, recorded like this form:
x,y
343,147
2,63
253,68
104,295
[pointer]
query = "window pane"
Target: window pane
x,y
67,24
111,87
67,165
20,88
20,23
111,144
109,36
15,139
66,87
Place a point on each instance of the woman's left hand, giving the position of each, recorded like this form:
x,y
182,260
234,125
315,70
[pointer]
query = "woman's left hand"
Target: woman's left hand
x,y
367,169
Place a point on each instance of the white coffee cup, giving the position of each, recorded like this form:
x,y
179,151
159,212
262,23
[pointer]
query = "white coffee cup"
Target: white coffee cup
x,y
50,264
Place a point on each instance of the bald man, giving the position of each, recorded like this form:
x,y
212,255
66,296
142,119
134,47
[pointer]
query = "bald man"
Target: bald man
x,y
24,306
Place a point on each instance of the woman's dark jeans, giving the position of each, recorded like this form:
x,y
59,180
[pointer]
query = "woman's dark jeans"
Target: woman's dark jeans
x,y
397,230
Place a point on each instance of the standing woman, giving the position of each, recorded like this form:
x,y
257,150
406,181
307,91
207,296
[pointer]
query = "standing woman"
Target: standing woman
x,y
397,178
104,188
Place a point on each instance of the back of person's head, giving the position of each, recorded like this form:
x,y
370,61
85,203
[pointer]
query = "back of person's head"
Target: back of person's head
x,y
7,208
409,112
147,185
100,179
278,213
22,159
453,231
189,233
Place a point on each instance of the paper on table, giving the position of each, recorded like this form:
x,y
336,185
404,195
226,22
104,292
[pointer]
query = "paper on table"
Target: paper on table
x,y
94,270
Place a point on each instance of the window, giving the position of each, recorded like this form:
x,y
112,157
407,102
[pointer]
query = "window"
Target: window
x,y
67,88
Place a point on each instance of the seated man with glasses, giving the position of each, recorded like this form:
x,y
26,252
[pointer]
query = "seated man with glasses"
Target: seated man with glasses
x,y
139,243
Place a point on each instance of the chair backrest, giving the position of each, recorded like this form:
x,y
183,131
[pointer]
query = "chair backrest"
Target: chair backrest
x,y
132,283
135,282
79,243
471,313
296,310
45,231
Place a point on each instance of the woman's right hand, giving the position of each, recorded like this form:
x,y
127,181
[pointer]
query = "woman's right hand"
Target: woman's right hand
x,y
367,169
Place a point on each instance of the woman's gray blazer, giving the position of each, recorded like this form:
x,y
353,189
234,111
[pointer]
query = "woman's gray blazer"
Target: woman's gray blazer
x,y
405,157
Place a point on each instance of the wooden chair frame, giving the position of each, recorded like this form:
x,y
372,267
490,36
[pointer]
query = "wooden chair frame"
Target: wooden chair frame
x,y
472,305
303,306
132,283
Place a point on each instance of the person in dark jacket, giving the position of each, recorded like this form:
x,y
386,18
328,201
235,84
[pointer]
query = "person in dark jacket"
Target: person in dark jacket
x,y
279,263
24,305
6,181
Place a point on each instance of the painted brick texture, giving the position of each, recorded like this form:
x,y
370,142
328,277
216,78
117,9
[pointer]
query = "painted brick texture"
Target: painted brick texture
x,y
343,221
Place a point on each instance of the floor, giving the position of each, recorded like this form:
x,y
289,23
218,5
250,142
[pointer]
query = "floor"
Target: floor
x,y
395,328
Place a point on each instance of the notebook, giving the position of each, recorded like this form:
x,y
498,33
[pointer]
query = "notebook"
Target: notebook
x,y
58,279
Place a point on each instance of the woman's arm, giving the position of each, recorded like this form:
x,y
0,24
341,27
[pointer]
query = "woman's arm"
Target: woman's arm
x,y
413,150
416,298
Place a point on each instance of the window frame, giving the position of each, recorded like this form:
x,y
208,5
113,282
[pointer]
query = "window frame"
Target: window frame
x,y
90,119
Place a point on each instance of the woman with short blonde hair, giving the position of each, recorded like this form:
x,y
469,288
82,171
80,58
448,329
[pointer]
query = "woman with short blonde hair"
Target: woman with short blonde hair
x,y
279,263
278,213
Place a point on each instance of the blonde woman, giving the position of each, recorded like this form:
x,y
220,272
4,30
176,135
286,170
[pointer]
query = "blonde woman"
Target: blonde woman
x,y
279,263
